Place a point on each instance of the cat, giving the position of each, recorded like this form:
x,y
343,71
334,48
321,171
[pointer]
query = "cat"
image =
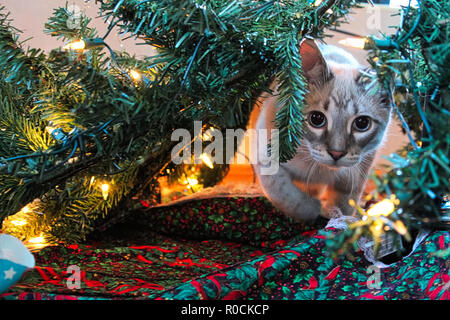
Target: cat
x,y
345,125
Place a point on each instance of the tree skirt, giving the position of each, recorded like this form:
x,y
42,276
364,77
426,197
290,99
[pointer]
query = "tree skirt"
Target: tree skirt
x,y
226,248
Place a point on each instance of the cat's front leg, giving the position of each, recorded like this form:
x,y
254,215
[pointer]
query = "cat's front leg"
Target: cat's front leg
x,y
287,197
339,195
342,203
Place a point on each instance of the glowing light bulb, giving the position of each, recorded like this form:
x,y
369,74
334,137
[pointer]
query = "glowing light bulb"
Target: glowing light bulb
x,y
383,208
378,225
207,160
192,182
208,134
76,45
358,43
135,75
377,228
400,227
19,222
26,209
105,190
50,129
37,240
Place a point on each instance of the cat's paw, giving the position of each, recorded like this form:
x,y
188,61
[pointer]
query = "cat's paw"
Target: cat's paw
x,y
306,211
312,210
331,212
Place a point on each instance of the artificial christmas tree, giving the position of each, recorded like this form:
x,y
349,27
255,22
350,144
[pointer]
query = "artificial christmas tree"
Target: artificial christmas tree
x,y
77,124
86,134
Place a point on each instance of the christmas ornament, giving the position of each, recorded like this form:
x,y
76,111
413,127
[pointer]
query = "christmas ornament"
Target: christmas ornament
x,y
15,259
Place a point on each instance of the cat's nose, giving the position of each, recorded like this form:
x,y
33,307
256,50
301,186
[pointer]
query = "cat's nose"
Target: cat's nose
x,y
336,155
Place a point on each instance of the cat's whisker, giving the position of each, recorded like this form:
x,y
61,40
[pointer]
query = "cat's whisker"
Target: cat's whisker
x,y
310,171
352,182
361,172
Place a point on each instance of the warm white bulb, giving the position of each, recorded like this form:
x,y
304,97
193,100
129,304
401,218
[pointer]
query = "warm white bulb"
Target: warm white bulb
x,y
207,160
37,240
36,243
383,208
50,129
135,75
358,43
105,190
76,45
19,222
192,181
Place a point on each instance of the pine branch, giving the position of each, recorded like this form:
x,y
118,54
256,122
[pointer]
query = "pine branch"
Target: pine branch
x,y
213,60
21,68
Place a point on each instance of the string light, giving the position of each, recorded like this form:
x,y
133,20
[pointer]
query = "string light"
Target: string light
x,y
19,222
105,190
90,43
208,134
75,45
359,43
91,182
83,44
192,182
377,216
36,242
56,133
383,208
135,75
207,160
400,227
50,129
377,228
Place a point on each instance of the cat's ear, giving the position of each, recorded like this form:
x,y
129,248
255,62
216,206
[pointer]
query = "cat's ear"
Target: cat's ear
x,y
314,66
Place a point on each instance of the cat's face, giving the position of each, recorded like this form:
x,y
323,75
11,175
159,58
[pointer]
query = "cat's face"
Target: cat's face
x,y
344,122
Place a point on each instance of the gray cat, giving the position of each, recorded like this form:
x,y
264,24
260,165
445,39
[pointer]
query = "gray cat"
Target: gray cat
x,y
345,125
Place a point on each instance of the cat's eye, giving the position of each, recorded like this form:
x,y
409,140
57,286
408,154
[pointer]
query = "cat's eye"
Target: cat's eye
x,y
362,123
317,119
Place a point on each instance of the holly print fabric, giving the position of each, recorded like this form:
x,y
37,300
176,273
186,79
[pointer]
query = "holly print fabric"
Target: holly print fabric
x,y
226,248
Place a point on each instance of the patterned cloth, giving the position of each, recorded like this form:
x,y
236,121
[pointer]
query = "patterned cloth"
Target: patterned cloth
x,y
226,248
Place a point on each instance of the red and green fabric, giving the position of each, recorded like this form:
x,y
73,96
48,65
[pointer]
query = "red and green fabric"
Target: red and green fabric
x,y
226,248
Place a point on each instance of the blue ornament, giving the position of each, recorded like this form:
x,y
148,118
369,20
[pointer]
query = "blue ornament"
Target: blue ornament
x,y
15,259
